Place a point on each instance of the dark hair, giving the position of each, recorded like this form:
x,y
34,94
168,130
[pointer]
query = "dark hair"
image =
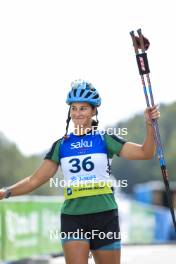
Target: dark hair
x,y
67,122
94,123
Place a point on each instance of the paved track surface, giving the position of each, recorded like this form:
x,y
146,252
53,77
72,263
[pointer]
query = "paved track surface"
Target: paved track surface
x,y
150,254
164,254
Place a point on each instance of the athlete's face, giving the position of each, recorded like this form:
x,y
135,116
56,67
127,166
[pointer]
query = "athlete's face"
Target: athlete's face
x,y
81,114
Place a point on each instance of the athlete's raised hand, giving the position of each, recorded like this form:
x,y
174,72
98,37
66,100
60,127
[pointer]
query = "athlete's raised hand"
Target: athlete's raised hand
x,y
151,113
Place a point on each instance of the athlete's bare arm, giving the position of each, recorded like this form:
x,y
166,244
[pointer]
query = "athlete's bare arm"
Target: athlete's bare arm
x,y
46,171
133,151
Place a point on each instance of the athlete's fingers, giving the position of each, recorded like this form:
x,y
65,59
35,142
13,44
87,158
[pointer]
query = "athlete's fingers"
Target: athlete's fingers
x,y
2,194
152,113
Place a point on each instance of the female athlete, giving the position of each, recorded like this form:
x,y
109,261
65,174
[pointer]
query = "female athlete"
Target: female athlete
x,y
89,215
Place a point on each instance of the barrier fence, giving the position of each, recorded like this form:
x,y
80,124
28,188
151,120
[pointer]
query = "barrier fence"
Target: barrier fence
x,y
30,225
26,225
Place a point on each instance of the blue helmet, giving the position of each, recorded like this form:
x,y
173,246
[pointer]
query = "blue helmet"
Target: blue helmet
x,y
82,91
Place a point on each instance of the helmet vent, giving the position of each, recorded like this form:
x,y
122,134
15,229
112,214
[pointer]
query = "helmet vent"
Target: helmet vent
x,y
88,94
96,96
82,91
74,92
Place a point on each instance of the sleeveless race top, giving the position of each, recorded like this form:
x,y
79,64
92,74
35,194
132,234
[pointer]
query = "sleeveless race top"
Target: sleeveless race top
x,y
85,166
82,159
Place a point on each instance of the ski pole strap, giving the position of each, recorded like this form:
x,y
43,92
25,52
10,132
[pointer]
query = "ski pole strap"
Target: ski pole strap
x,y
142,62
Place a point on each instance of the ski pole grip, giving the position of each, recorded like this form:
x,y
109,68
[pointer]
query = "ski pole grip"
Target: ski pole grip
x,y
141,39
142,62
135,45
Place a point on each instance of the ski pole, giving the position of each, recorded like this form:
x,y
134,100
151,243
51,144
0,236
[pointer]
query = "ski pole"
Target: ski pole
x,y
141,43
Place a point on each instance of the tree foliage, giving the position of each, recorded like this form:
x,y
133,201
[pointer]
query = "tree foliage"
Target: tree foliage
x,y
14,166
